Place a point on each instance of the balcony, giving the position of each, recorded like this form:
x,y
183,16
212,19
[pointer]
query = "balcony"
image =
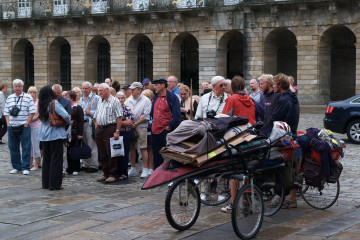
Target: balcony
x,y
37,9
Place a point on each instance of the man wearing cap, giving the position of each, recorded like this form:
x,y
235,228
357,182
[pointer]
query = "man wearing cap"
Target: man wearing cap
x,y
89,102
108,119
166,115
212,103
146,83
140,107
172,82
127,91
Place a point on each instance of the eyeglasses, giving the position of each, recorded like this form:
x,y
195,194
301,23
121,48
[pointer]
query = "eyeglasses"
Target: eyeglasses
x,y
222,85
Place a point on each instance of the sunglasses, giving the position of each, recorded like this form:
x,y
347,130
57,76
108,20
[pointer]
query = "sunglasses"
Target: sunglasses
x,y
223,84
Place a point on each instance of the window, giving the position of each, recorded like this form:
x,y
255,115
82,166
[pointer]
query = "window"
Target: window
x,y
24,8
60,8
103,62
29,66
65,66
141,61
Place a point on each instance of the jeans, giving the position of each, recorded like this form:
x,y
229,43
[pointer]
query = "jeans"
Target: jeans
x,y
14,146
158,141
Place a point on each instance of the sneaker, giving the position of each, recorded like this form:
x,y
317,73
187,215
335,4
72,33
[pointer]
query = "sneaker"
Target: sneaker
x,y
75,173
227,209
34,169
110,180
203,196
132,172
275,202
144,173
14,171
289,204
150,171
26,172
102,178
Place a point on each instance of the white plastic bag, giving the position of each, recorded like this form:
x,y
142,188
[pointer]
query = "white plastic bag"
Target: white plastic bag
x,y
117,147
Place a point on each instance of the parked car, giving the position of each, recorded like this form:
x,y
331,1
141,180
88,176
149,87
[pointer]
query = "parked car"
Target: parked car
x,y
344,117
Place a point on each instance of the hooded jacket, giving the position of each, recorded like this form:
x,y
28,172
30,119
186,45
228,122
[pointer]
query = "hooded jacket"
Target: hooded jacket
x,y
287,110
240,104
270,100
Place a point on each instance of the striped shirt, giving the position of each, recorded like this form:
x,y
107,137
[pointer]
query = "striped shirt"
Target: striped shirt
x,y
91,103
108,111
26,105
140,107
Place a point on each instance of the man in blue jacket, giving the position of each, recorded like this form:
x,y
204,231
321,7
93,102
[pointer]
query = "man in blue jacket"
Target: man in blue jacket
x,y
166,115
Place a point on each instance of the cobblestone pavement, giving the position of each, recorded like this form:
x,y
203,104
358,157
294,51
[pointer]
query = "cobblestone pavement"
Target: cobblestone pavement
x,y
86,209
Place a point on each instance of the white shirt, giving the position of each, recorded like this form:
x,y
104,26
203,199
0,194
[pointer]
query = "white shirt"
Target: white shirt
x,y
108,111
138,107
210,102
26,105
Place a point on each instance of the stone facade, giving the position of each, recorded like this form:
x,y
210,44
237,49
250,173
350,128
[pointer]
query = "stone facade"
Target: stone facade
x,y
315,41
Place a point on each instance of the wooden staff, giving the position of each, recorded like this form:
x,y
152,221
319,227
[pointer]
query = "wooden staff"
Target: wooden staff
x,y
191,105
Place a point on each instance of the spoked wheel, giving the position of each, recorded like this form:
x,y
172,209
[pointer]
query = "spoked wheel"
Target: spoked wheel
x,y
321,198
214,192
273,196
248,212
182,204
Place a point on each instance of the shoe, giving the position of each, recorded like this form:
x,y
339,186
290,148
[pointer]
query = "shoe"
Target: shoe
x,y
34,169
144,173
102,178
150,171
275,202
26,172
1,142
293,204
75,173
227,209
289,204
123,177
110,180
84,169
268,184
14,171
92,170
203,196
132,172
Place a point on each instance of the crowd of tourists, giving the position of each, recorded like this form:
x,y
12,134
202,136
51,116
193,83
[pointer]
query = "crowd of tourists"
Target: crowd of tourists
x,y
143,113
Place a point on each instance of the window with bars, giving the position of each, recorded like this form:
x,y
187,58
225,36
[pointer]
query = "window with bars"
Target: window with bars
x,y
65,66
141,61
103,62
29,66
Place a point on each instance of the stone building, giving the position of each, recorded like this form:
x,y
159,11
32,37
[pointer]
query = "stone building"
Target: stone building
x,y
70,41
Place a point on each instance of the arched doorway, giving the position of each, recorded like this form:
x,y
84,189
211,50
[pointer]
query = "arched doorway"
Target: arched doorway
x,y
185,60
60,63
231,54
280,53
139,59
338,63
98,60
23,62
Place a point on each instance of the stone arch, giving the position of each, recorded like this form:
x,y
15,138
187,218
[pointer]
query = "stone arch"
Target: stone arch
x,y
230,54
184,59
60,63
280,53
98,60
139,59
23,62
337,63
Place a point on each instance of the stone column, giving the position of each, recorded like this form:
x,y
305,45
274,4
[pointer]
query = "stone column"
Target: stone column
x,y
118,57
78,62
161,55
41,61
5,64
207,56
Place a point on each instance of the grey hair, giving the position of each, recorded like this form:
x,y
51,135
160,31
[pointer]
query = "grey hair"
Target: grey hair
x,y
216,79
56,86
17,82
88,83
104,85
175,78
120,93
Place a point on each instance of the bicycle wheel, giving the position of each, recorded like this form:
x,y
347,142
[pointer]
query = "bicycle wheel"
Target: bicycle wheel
x,y
321,198
214,192
248,212
182,205
273,196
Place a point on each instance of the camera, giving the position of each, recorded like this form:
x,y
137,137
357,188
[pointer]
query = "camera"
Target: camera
x,y
14,111
210,114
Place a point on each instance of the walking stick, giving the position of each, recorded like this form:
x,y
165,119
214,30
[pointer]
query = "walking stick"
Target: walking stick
x,y
191,105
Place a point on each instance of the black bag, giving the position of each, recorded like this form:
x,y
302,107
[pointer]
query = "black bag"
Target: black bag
x,y
335,171
93,129
313,173
80,152
18,129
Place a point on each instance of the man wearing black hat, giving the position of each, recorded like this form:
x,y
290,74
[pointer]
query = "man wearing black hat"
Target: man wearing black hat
x,y
166,115
127,91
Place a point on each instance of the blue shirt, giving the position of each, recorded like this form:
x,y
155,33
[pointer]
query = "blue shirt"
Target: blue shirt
x,y
177,92
91,105
49,133
66,104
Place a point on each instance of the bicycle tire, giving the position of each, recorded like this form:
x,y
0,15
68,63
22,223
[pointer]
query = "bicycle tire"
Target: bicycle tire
x,y
273,196
243,213
182,214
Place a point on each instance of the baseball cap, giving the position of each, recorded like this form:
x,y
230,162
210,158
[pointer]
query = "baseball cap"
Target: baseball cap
x,y
146,81
136,85
126,86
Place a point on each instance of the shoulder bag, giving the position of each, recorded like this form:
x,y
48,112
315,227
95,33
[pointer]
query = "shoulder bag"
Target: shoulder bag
x,y
55,119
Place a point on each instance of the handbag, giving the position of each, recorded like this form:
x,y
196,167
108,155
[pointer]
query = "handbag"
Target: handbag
x,y
55,119
117,147
93,129
81,151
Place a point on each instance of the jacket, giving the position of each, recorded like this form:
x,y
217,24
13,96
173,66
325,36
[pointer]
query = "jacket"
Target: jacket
x,y
240,104
174,105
